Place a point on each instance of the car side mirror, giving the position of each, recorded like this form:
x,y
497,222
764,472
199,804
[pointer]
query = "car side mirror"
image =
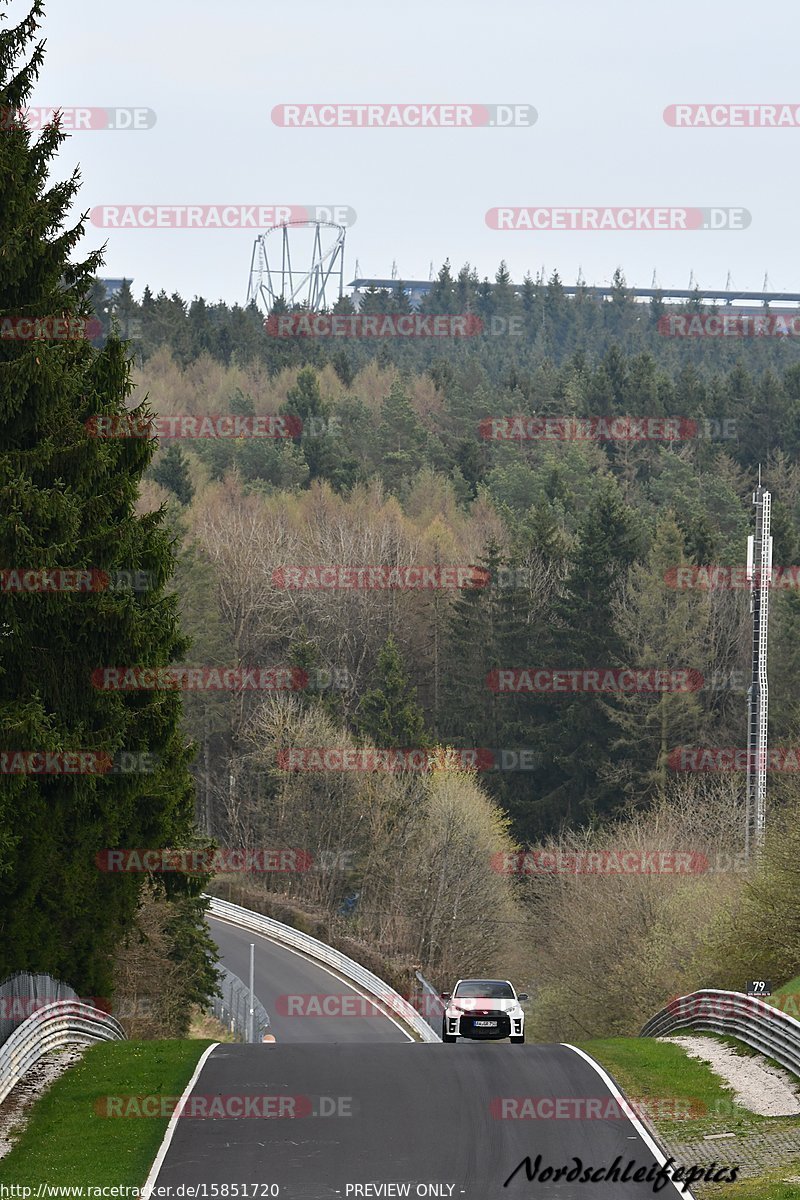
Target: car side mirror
x,y
446,995
522,996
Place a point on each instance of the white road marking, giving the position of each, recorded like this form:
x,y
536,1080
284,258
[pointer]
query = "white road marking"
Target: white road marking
x,y
656,1150
173,1123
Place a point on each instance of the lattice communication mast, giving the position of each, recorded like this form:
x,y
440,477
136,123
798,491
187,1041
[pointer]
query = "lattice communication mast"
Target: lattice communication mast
x,y
319,245
759,573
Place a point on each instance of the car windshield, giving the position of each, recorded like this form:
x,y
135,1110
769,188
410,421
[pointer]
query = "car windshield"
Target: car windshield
x,y
489,989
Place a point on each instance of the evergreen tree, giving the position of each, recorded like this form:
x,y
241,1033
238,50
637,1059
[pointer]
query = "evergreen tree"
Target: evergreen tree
x,y
578,728
662,629
529,300
374,300
401,437
399,302
503,291
172,472
125,311
67,500
497,628
343,367
322,444
441,298
389,715
477,644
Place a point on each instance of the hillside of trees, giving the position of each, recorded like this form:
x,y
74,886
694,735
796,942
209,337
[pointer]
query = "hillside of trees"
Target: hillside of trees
x,y
579,539
388,466
395,471
520,325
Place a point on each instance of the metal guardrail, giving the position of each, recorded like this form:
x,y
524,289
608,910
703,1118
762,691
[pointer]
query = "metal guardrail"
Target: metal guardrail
x,y
761,1026
386,998
433,1006
63,1023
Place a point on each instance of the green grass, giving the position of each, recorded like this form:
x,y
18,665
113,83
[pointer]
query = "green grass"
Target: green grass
x,y
647,1069
791,1004
67,1142
667,1083
788,988
766,1187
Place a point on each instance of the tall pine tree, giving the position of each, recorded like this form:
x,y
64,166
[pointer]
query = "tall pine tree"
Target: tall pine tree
x,y
67,500
580,728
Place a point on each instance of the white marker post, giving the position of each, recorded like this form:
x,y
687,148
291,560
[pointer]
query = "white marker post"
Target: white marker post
x,y
250,1032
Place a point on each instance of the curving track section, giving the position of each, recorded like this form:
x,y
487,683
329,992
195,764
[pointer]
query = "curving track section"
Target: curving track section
x,y
361,1111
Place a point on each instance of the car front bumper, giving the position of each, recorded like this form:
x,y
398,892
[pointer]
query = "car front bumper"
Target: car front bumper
x,y
489,1026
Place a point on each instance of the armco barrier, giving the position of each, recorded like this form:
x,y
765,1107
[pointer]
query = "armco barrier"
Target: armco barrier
x,y
386,997
63,1023
432,1000
760,1026
231,1006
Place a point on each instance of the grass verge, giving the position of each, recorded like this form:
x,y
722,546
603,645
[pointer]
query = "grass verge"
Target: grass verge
x,y
66,1141
781,1184
662,1081
788,989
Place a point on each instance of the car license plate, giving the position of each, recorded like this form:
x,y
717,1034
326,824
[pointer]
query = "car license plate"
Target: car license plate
x,y
485,1024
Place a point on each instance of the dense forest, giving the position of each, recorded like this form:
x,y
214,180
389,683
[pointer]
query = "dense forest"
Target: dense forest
x,y
393,465
549,555
579,539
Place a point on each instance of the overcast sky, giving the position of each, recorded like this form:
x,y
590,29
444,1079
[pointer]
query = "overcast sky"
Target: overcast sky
x,y
598,74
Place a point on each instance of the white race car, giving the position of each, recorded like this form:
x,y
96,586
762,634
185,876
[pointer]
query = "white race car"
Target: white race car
x,y
482,1009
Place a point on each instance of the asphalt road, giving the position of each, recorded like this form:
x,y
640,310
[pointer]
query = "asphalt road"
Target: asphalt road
x,y
412,1114
344,1106
286,982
